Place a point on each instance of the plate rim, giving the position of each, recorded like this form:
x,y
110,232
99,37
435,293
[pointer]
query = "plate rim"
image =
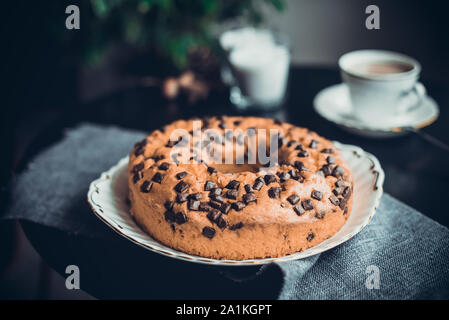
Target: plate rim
x,y
349,124
106,176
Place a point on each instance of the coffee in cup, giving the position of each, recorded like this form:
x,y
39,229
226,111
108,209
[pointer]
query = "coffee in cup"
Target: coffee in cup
x,y
383,85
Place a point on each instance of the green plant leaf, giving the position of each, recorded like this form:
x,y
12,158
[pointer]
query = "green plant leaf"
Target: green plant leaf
x,y
277,4
99,7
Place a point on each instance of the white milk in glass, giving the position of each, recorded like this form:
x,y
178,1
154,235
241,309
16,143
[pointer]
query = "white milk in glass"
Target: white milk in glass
x,y
259,67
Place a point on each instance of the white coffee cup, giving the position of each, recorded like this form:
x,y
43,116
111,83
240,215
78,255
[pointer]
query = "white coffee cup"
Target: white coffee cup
x,y
382,84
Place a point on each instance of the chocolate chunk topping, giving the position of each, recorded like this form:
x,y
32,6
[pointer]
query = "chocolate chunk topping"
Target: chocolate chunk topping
x,y
171,144
327,150
340,183
300,147
217,198
194,205
158,177
232,194
139,151
181,175
142,143
169,205
320,215
331,160
307,204
212,170
269,178
234,184
213,215
274,192
293,199
146,186
181,186
170,216
342,203
225,207
137,176
303,154
236,226
258,184
326,170
204,206
221,222
237,122
249,197
209,185
334,200
206,121
181,218
338,171
310,237
215,204
346,192
292,143
157,158
299,210
222,125
337,191
282,141
182,197
137,167
248,188
294,174
313,144
284,176
316,195
215,191
164,166
299,165
208,232
195,196
237,206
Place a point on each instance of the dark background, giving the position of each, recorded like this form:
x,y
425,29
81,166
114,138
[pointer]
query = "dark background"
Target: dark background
x,y
45,89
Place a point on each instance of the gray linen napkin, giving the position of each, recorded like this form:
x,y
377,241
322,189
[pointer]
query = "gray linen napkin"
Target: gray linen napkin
x,y
401,254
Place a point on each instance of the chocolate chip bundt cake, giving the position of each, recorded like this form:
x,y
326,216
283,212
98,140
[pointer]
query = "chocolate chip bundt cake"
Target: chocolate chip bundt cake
x,y
186,196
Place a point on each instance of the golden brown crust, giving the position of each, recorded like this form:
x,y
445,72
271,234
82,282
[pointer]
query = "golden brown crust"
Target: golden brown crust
x,y
266,227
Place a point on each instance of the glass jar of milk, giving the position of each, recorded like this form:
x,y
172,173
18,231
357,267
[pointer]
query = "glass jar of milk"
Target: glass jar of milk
x,y
258,61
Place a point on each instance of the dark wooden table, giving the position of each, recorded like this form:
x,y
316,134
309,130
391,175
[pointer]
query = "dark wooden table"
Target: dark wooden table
x,y
416,173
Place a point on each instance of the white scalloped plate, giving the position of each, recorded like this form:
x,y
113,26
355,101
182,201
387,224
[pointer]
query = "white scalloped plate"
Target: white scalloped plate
x,y
107,197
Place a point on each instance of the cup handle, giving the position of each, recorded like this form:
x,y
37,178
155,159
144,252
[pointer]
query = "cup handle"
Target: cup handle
x,y
419,91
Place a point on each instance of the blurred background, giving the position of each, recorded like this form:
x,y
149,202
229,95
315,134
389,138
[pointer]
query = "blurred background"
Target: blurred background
x,y
52,77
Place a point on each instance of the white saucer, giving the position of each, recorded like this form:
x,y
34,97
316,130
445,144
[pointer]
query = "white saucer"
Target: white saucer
x,y
333,104
107,196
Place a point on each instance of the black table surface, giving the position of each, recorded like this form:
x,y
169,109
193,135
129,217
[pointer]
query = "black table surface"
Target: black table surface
x,y
417,173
